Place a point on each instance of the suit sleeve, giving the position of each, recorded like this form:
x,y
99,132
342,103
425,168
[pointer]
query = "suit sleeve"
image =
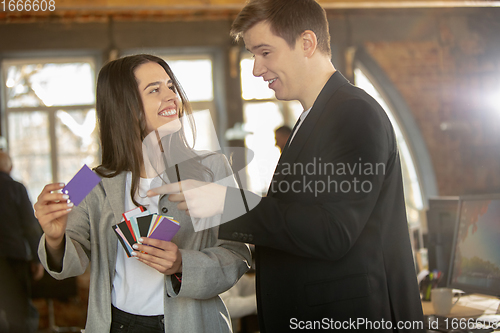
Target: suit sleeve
x,y
31,228
327,226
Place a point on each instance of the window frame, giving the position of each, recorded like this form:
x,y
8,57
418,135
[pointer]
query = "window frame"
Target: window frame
x,y
93,58
284,107
217,107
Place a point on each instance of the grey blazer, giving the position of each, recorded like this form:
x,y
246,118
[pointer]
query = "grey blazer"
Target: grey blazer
x,y
209,266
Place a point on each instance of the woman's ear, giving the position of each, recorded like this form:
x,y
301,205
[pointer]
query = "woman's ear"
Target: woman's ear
x,y
309,42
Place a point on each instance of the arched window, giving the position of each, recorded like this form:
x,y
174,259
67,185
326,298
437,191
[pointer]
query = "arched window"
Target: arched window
x,y
418,176
413,194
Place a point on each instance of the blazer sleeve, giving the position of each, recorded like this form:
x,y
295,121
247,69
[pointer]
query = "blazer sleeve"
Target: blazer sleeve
x,y
77,245
327,226
212,270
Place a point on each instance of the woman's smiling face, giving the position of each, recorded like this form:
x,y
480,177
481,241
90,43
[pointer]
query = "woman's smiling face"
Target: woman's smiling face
x,y
159,98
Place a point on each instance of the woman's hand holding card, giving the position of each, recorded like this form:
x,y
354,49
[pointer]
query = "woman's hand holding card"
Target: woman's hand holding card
x,y
161,255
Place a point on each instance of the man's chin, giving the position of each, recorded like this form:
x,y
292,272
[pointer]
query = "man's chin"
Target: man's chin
x,y
283,97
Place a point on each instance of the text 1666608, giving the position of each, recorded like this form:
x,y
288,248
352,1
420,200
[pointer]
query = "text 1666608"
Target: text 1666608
x,y
28,5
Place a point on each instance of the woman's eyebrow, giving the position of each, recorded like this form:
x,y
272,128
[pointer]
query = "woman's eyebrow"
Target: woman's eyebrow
x,y
156,83
152,84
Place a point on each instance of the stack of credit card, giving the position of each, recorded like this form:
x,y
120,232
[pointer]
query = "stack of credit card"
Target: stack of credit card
x,y
139,222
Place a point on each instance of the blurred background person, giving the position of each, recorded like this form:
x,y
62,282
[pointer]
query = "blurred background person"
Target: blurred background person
x,y
19,261
241,300
281,135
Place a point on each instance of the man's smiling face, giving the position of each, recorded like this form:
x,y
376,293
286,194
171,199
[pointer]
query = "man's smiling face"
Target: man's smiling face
x,y
275,61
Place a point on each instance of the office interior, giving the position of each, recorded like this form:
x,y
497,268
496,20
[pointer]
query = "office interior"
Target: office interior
x,y
433,65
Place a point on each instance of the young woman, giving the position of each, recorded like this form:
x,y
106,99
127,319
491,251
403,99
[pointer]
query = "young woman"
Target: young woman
x,y
172,286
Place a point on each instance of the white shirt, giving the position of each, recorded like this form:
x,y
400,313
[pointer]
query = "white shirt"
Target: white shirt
x,y
302,118
138,288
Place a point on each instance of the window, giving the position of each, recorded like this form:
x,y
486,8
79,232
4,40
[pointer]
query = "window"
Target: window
x,y
195,73
50,119
262,114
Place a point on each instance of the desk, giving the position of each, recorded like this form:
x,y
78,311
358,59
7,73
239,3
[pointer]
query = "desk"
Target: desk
x,y
468,306
471,306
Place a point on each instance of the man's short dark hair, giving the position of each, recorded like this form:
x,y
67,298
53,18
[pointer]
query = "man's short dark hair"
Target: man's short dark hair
x,y
288,20
285,130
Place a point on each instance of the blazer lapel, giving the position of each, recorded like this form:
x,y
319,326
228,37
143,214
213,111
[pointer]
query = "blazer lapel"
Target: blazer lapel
x,y
115,194
114,188
309,126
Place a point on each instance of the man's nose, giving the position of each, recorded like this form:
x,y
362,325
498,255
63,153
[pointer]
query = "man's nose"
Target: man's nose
x,y
258,68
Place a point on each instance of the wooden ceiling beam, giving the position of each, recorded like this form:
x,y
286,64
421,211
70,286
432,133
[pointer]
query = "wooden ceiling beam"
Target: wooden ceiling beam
x,y
187,10
216,5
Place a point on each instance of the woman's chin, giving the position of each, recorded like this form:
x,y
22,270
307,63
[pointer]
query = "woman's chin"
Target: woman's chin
x,y
172,126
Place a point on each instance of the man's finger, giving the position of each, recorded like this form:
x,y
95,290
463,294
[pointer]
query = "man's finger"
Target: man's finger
x,y
176,197
182,206
165,189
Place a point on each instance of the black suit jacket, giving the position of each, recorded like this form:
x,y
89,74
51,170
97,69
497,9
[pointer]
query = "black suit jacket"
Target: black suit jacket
x,y
20,229
332,242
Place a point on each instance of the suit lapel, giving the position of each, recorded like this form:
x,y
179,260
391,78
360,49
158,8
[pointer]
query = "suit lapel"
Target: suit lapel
x,y
297,123
310,125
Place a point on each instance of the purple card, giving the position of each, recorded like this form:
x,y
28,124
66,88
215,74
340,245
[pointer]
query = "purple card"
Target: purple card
x,y
81,185
166,230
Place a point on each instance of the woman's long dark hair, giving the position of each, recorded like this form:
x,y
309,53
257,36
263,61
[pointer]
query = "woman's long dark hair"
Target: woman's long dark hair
x,y
122,123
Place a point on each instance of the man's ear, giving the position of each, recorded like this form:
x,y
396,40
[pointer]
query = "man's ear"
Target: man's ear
x,y
309,42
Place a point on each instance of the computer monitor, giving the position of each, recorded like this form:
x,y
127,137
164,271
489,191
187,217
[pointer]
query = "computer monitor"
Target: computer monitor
x,y
441,221
475,262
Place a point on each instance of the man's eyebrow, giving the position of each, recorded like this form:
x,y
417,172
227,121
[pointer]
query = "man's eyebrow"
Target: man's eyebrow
x,y
157,83
258,47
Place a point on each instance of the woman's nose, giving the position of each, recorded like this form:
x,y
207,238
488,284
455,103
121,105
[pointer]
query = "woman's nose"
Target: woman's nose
x,y
169,94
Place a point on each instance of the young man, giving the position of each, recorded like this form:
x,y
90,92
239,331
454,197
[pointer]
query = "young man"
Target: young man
x,y
19,263
332,243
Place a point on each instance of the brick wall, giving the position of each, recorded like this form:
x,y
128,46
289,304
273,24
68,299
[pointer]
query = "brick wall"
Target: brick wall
x,y
452,85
